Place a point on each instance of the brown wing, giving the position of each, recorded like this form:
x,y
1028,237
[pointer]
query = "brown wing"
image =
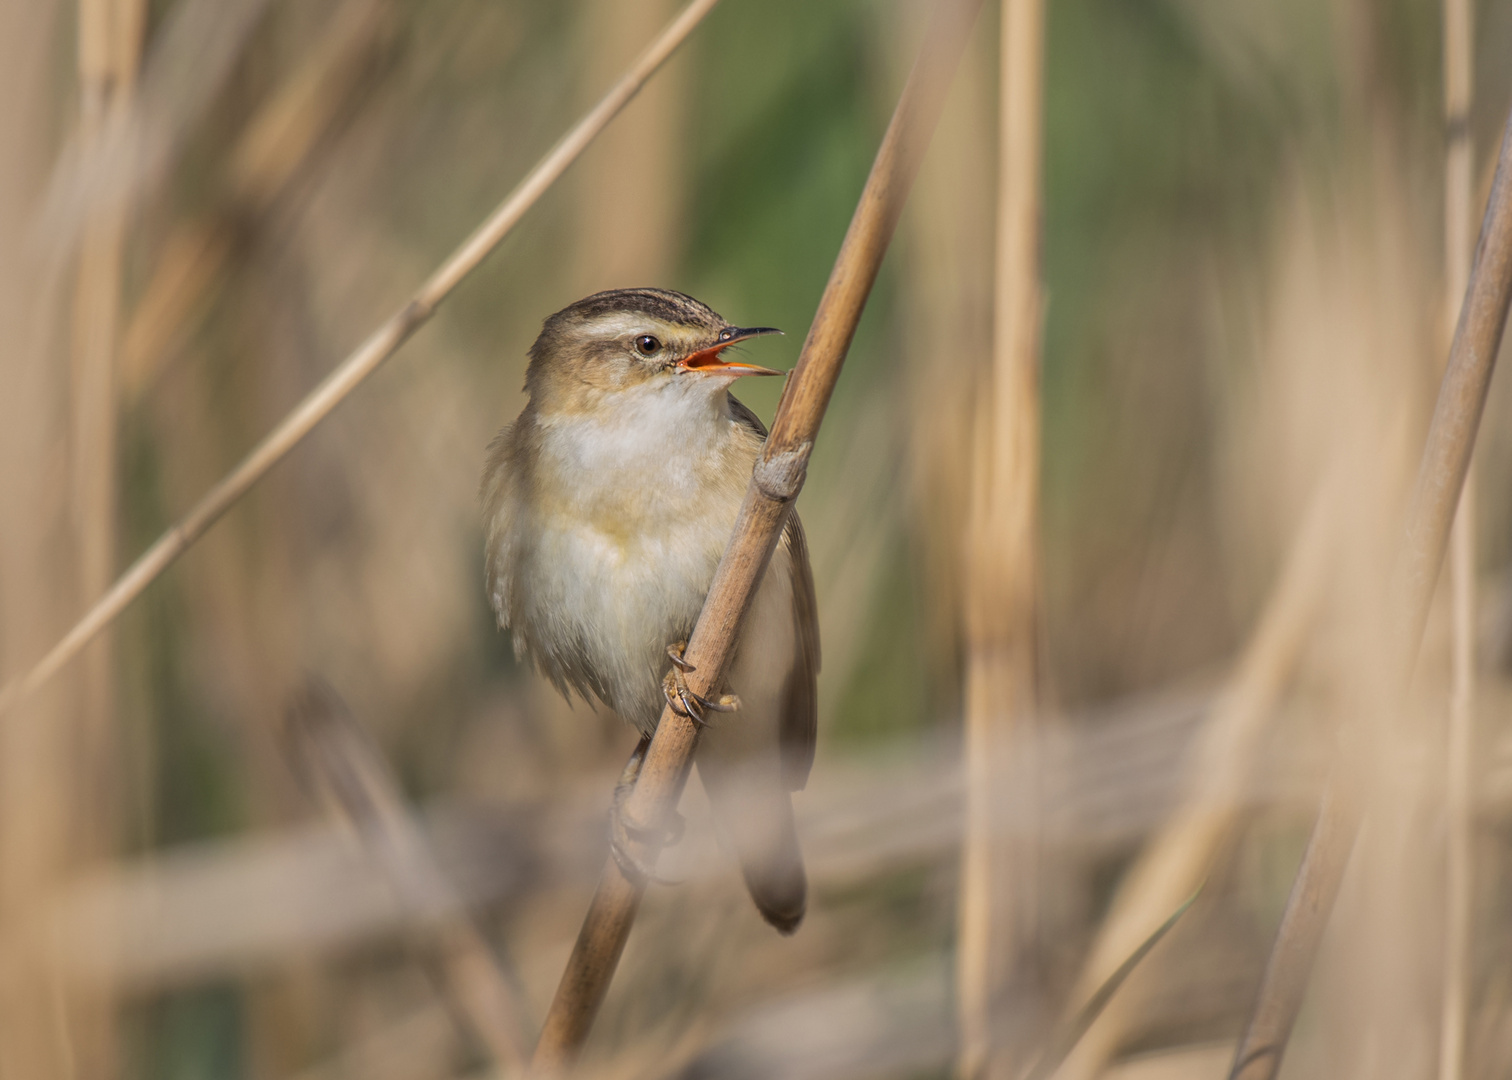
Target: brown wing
x,y
800,711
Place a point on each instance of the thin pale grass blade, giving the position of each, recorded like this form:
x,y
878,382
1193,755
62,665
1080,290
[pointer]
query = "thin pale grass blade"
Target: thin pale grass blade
x,y
775,483
1066,1039
1180,854
356,368
1441,475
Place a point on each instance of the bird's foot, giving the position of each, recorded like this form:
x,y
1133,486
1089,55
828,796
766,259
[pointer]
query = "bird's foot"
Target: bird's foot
x,y
625,834
685,702
677,652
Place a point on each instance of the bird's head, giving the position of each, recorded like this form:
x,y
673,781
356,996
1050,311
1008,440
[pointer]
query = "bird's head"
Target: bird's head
x,y
626,339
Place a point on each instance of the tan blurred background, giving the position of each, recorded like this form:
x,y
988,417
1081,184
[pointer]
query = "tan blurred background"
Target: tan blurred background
x,y
206,204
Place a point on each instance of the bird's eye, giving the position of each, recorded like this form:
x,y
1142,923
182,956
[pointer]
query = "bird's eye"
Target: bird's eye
x,y
647,345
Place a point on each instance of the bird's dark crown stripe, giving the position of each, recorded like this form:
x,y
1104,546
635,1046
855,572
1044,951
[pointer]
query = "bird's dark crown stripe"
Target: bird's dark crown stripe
x,y
663,304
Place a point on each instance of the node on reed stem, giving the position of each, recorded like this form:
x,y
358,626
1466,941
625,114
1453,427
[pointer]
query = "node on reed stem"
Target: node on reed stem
x,y
775,483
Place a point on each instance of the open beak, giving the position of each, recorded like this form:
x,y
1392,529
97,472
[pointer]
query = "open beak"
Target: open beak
x,y
708,362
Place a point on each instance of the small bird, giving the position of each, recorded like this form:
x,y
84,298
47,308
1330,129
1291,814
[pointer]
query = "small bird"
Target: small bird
x,y
607,506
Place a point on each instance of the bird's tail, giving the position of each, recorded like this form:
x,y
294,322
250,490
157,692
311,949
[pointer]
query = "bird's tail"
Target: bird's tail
x,y
754,814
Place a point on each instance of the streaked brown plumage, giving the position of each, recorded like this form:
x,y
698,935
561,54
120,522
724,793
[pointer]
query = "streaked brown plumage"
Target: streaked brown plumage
x,y
607,505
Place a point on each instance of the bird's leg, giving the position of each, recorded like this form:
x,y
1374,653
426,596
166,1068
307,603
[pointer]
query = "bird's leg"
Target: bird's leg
x,y
685,702
622,830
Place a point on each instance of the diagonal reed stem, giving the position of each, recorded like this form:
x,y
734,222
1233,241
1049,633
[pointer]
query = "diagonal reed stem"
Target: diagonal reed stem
x,y
1180,854
351,373
775,483
333,750
1459,47
1441,476
1064,1041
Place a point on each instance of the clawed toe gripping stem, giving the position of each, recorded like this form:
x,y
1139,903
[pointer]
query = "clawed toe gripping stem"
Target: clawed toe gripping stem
x,y
623,831
685,702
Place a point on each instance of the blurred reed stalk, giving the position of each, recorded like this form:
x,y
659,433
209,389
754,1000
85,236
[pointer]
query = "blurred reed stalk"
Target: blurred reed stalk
x,y
37,785
109,47
1441,474
948,317
110,40
109,52
998,915
1459,84
775,483
627,219
1076,1025
333,750
277,143
352,371
1179,856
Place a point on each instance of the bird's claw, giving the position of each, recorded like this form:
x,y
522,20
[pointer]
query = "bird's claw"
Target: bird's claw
x,y
623,832
686,702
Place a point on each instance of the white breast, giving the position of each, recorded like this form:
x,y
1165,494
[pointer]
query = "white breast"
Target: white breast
x,y
620,538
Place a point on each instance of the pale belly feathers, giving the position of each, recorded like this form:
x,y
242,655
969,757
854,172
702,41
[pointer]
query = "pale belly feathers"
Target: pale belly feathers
x,y
614,563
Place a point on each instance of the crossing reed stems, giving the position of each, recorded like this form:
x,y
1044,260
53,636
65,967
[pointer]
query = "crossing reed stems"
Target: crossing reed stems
x,y
332,748
1181,853
356,368
775,483
1441,476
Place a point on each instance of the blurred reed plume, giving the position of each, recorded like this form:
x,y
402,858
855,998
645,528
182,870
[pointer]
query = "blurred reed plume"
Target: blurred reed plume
x,y
1252,219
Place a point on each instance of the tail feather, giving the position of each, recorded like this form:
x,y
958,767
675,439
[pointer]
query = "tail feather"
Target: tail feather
x,y
754,815
774,874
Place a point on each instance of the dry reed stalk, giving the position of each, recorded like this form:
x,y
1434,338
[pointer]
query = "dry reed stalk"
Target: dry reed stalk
x,y
361,363
35,578
775,483
336,752
109,49
195,48
1000,878
188,265
1176,859
1459,45
1441,474
948,316
628,221
109,46
280,138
